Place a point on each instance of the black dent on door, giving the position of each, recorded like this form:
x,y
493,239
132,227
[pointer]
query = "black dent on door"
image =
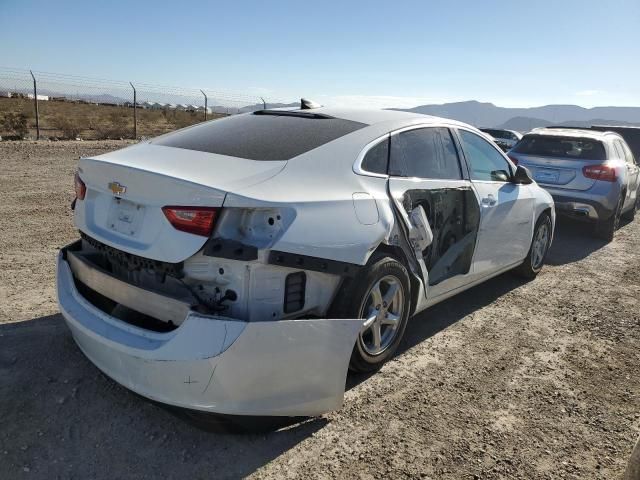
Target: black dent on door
x,y
454,218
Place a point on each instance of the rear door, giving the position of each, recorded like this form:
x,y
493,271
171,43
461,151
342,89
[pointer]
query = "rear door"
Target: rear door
x,y
426,174
507,209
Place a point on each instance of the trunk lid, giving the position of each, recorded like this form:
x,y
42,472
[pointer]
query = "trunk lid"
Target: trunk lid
x,y
127,189
557,172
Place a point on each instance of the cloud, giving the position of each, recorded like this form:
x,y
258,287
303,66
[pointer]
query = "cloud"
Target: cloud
x,y
377,101
588,93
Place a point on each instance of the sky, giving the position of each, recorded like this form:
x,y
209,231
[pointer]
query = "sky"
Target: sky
x,y
355,53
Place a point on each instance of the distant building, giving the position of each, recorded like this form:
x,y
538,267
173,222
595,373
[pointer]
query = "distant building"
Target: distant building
x,y
40,97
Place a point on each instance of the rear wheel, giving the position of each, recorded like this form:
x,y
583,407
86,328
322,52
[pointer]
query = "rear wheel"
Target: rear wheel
x,y
380,295
539,248
631,214
607,228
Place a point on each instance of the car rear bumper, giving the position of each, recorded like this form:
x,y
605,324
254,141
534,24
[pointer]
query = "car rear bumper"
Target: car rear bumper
x,y
216,364
584,205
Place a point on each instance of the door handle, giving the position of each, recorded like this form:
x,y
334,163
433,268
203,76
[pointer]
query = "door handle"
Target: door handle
x,y
489,201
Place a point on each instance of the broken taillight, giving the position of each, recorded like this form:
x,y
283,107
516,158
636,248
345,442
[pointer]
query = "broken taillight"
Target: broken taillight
x,y
80,187
196,220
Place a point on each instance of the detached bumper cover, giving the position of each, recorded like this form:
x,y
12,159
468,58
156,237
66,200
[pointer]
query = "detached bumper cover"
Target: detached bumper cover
x,y
217,364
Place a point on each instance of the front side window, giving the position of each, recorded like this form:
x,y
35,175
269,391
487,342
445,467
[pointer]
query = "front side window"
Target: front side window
x,y
425,153
485,162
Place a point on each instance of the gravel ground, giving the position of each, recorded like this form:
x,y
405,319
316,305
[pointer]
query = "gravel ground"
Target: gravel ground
x,y
507,380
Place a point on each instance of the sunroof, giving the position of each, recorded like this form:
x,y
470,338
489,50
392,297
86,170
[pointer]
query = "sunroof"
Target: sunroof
x,y
262,136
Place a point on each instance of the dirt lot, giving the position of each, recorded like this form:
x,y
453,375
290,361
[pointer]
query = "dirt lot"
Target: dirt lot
x,y
508,380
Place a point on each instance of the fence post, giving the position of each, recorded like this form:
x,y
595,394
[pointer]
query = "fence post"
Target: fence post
x,y
205,105
135,113
35,102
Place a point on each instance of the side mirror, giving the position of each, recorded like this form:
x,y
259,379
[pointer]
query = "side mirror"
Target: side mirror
x,y
500,175
522,176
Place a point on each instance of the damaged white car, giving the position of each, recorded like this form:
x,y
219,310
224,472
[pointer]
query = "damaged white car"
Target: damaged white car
x,y
241,266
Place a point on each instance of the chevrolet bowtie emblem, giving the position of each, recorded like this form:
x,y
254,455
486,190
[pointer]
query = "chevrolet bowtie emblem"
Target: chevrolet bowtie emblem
x,y
116,188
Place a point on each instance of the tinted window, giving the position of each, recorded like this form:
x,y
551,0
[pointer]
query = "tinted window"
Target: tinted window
x,y
485,162
377,158
561,147
619,150
425,153
260,137
496,133
628,155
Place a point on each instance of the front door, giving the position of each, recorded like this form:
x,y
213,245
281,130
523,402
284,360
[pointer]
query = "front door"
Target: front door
x,y
507,209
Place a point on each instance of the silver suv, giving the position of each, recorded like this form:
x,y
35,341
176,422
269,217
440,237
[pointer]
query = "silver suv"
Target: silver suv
x,y
591,175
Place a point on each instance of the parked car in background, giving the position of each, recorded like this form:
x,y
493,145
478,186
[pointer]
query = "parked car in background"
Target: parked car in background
x,y
505,139
591,175
242,265
631,135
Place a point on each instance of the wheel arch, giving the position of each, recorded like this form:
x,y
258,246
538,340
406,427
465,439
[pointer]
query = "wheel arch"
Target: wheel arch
x,y
398,253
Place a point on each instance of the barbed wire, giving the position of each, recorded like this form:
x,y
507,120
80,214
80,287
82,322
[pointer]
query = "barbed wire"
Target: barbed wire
x,y
70,105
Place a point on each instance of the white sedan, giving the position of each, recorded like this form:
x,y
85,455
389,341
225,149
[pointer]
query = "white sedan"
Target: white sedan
x,y
241,266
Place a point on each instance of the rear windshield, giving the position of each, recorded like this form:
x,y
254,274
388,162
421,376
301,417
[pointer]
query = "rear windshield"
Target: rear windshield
x,y
260,137
561,147
497,133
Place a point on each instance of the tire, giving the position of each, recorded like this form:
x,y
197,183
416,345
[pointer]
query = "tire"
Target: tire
x,y
359,298
631,213
539,248
607,228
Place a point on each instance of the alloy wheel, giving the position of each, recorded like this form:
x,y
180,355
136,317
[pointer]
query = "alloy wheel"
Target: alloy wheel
x,y
540,245
382,311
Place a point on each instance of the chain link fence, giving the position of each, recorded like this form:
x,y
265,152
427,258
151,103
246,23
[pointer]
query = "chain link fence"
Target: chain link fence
x,y
56,106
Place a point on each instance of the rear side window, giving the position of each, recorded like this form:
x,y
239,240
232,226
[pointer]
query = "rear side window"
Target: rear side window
x,y
260,137
425,153
377,158
561,147
628,155
619,150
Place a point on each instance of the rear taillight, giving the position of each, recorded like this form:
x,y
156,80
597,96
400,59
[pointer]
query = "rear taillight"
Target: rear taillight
x,y
513,159
603,172
196,220
80,187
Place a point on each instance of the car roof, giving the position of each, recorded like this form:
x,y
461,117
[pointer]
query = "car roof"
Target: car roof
x,y
392,118
573,132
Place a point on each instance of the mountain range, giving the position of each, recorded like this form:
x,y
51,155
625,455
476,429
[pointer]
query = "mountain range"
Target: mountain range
x,y
483,114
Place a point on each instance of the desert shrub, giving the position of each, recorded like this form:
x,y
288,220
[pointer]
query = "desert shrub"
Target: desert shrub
x,y
15,123
70,127
113,132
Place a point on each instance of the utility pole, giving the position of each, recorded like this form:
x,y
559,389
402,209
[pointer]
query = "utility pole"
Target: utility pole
x,y
35,102
135,112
